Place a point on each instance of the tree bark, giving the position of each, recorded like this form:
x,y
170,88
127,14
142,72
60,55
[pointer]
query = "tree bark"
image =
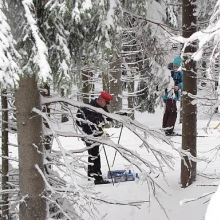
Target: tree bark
x,y
105,82
30,150
48,139
87,85
5,179
64,116
130,87
189,126
116,85
131,99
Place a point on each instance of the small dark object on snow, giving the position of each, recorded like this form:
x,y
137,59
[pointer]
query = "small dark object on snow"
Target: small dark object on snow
x,y
173,134
101,181
121,113
170,133
121,175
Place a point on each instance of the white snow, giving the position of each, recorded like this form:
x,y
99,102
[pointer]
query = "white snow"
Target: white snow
x,y
177,202
174,202
213,211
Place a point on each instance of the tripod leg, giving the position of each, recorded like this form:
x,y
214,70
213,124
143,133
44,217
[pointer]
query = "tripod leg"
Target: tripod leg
x,y
108,165
118,143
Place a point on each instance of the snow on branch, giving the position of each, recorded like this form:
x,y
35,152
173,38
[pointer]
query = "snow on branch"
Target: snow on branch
x,y
140,130
42,51
69,162
9,68
184,201
210,33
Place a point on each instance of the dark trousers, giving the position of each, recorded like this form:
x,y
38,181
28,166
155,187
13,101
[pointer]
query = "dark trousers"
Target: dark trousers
x,y
170,114
94,167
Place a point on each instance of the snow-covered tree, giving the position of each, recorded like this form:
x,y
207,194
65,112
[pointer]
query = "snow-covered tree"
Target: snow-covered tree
x,y
208,36
9,68
56,42
144,51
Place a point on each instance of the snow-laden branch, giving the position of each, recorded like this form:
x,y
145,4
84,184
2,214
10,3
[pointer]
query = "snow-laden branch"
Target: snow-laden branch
x,y
59,143
140,130
66,159
184,201
203,37
9,68
135,127
42,52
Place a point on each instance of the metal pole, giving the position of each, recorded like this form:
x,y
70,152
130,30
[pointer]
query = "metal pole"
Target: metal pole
x,y
108,165
118,143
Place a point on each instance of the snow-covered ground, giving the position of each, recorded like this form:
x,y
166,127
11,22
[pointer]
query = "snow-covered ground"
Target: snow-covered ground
x,y
174,202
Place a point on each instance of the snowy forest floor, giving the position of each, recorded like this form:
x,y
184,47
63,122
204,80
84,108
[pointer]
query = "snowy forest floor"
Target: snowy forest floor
x,y
175,200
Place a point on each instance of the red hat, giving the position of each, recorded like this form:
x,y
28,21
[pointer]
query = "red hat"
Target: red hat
x,y
106,96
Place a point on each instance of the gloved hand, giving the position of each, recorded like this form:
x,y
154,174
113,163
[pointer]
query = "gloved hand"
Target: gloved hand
x,y
106,135
97,133
113,123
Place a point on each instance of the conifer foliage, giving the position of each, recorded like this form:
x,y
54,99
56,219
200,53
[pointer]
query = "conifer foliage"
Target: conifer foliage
x,y
9,67
56,41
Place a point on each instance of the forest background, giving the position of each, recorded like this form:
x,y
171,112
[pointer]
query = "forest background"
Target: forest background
x,y
63,49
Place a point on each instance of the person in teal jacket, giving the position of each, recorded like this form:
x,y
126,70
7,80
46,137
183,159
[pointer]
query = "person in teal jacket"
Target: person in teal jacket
x,y
172,95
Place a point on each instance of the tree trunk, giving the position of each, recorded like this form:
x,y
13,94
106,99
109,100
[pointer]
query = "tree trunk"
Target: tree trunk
x,y
131,99
181,110
87,85
130,87
30,150
116,85
64,116
48,139
5,207
189,128
105,82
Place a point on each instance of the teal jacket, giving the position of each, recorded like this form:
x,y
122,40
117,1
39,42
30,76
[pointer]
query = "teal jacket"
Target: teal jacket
x,y
178,81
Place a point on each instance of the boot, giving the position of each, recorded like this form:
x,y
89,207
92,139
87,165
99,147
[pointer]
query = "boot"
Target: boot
x,y
101,181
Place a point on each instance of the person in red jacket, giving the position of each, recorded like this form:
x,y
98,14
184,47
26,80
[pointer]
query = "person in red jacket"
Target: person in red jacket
x,y
95,128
